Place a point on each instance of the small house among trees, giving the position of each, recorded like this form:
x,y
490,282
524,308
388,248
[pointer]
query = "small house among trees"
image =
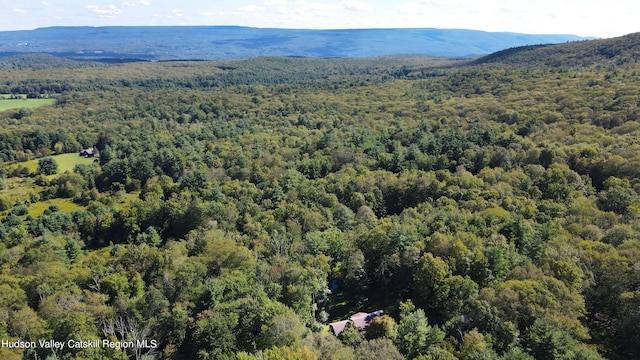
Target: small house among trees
x,y
361,320
89,152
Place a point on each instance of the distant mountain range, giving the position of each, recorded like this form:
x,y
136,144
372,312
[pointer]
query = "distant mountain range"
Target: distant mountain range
x,y
233,42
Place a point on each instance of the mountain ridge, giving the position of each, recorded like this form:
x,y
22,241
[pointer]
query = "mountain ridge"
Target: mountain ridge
x,y
234,42
612,51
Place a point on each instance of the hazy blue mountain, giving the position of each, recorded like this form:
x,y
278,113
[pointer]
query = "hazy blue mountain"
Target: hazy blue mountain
x,y
228,42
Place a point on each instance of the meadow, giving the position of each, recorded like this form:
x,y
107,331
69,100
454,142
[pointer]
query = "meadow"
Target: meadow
x,y
7,103
19,189
66,162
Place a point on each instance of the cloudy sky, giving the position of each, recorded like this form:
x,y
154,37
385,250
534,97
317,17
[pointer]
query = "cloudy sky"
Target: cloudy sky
x,y
580,17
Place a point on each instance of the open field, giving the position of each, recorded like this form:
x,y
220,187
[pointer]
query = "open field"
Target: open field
x,y
64,205
8,104
66,162
18,189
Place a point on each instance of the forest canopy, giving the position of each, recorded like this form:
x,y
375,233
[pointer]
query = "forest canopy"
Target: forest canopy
x,y
237,208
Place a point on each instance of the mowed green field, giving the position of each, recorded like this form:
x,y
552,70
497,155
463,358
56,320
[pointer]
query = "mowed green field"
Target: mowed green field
x,y
66,162
8,104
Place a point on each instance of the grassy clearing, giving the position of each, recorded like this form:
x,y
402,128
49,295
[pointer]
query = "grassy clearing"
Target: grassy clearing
x,y
65,205
18,190
9,104
66,162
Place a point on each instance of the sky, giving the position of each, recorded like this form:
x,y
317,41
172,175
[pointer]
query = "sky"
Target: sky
x,y
597,18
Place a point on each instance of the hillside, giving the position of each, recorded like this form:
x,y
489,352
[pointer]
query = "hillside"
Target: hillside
x,y
615,51
37,61
238,208
232,42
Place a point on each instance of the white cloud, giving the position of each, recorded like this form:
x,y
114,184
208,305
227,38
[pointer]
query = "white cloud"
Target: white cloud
x,y
314,14
280,4
428,7
324,9
176,16
318,6
177,13
356,6
585,17
19,11
110,11
136,3
45,3
251,8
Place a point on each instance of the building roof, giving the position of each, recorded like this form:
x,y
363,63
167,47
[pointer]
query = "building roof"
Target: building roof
x,y
360,319
338,326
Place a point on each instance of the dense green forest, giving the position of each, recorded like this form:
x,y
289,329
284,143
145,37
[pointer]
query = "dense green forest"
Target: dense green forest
x,y
490,208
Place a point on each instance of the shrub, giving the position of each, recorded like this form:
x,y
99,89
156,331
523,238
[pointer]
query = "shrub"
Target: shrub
x,y
20,210
47,166
4,204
